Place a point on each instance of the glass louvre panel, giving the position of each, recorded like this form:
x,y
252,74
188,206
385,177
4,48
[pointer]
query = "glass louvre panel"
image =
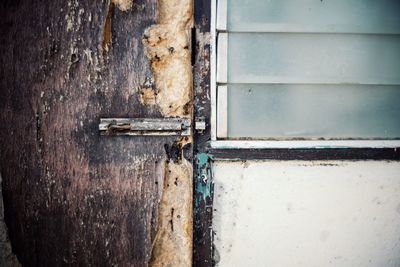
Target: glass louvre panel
x,y
361,16
310,69
313,58
313,111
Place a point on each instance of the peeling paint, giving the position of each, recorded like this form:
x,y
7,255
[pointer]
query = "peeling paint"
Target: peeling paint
x,y
203,186
71,15
123,5
172,245
203,40
167,46
147,96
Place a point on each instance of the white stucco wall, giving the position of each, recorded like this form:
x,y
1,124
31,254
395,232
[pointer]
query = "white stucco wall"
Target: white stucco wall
x,y
301,213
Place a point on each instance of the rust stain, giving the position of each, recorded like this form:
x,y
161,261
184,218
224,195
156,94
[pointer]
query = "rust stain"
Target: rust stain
x,y
106,42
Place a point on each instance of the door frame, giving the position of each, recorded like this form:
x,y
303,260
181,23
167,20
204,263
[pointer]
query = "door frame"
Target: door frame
x,y
207,149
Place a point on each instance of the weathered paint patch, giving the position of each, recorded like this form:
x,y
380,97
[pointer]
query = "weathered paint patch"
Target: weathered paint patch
x,y
147,96
123,5
203,181
203,191
172,245
167,47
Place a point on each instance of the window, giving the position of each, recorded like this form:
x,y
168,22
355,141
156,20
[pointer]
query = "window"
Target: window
x,y
306,74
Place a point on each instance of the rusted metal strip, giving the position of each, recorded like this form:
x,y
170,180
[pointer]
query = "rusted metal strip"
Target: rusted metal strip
x,y
145,126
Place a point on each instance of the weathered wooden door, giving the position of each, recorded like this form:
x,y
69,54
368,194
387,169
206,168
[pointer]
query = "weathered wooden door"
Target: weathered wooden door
x,y
73,197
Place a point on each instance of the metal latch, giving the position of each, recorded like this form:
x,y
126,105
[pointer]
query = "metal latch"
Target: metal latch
x,y
200,124
145,126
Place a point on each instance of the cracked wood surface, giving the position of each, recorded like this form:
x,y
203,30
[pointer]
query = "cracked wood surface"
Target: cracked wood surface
x,y
167,46
71,196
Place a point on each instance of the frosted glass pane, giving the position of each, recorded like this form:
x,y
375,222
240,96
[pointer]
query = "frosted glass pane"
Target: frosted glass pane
x,y
312,111
366,16
313,58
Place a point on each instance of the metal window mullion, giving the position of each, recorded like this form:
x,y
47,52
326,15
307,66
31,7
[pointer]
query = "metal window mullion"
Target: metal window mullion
x,y
222,58
222,12
213,72
222,111
222,89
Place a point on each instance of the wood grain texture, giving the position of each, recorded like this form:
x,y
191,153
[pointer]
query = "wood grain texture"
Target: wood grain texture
x,y
71,196
7,258
167,46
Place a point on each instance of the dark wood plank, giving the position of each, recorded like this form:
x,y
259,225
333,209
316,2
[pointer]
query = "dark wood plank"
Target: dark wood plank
x,y
71,196
204,155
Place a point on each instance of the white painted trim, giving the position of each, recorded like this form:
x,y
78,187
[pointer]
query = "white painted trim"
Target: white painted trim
x,y
222,13
269,80
213,63
306,144
222,111
222,58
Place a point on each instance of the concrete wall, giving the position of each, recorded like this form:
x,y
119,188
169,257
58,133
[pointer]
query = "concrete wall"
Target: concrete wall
x,y
298,213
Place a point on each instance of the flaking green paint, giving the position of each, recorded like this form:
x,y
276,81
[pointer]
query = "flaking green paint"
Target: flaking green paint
x,y
203,178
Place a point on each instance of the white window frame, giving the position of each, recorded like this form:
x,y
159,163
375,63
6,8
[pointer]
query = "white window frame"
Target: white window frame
x,y
218,120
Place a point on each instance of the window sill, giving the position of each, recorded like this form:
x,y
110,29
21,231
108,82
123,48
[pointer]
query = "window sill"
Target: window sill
x,y
304,144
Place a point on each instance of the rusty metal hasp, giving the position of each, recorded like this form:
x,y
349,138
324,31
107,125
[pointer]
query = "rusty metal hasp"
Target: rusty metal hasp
x,y
145,126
